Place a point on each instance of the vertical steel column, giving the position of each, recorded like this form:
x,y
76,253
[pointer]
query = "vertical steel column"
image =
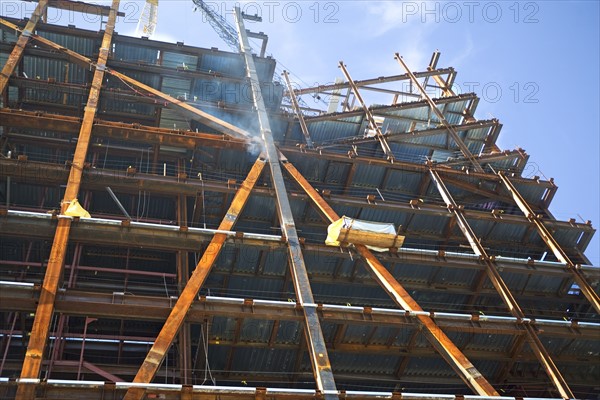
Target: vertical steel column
x,y
384,144
448,350
177,316
43,316
297,110
547,237
17,52
463,148
536,344
184,339
314,335
444,86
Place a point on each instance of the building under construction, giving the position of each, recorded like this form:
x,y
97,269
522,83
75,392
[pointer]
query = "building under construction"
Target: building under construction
x,y
164,216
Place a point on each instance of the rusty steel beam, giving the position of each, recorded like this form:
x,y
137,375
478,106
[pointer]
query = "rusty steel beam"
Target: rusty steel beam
x,y
315,340
17,52
99,390
98,179
397,165
444,86
37,120
178,314
587,290
409,136
341,345
71,55
118,130
380,137
475,189
457,360
155,308
387,111
453,133
170,238
43,316
428,262
297,110
373,81
507,297
184,108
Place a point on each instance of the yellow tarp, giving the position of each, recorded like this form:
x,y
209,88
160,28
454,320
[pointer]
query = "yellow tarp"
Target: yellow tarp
x,y
75,210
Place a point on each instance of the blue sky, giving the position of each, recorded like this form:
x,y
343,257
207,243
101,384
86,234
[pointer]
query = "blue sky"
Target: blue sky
x,y
534,64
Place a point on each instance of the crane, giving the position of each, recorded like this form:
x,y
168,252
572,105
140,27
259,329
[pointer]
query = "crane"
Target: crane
x,y
220,25
148,18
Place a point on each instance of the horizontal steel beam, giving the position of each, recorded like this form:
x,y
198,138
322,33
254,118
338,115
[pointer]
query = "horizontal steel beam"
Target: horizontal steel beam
x,y
372,81
117,130
172,238
40,173
99,390
349,281
400,137
40,120
385,110
400,165
118,305
110,343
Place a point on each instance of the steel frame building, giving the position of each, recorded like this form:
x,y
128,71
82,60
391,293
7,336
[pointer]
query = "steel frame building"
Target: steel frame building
x,y
202,272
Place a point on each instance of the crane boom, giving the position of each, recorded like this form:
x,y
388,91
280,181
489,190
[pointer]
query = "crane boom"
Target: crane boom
x,y
148,19
220,25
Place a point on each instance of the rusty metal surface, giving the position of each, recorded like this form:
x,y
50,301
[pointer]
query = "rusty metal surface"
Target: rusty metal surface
x,y
154,308
54,271
17,52
297,110
505,294
317,350
188,295
548,238
451,130
372,125
457,360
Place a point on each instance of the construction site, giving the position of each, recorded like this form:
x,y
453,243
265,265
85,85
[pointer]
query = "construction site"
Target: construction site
x,y
177,223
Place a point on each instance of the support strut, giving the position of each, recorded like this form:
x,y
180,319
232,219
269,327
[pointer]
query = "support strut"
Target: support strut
x,y
382,141
312,326
177,316
547,237
451,130
536,344
452,354
170,102
297,110
43,316
17,52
